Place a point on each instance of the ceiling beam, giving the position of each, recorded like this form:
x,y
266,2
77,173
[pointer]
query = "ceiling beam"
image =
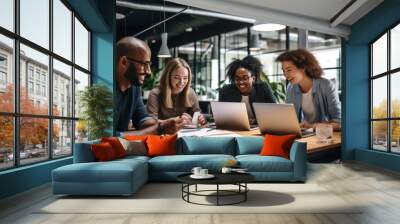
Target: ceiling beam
x,y
173,9
346,12
267,15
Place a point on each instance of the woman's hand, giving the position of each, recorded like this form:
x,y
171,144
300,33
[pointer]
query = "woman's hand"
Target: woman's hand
x,y
202,119
187,119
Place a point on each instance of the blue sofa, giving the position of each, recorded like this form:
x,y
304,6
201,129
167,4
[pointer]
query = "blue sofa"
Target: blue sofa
x,y
125,176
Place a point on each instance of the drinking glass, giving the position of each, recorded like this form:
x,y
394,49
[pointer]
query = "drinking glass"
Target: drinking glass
x,y
324,132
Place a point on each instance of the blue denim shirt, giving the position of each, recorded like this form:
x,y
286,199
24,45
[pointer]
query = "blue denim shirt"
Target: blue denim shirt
x,y
325,99
130,106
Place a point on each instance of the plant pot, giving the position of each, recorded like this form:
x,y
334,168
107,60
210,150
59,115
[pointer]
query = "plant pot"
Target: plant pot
x,y
202,97
146,94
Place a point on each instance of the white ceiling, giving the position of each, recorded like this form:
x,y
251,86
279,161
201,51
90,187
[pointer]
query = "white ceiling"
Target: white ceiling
x,y
313,15
321,9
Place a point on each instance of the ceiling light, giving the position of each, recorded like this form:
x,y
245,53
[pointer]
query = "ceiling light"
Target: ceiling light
x,y
254,42
268,27
189,29
119,16
164,51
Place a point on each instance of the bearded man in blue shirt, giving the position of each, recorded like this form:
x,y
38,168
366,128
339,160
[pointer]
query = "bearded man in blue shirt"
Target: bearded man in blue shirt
x,y
133,65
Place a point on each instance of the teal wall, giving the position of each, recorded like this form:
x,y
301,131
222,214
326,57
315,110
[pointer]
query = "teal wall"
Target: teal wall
x,y
99,16
24,178
356,86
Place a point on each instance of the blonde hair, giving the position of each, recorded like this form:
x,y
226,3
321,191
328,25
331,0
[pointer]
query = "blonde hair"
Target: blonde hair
x,y
165,86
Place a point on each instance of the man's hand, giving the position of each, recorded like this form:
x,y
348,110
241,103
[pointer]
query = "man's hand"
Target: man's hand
x,y
306,125
171,125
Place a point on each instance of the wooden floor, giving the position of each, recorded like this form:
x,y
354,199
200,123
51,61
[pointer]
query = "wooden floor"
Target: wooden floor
x,y
379,189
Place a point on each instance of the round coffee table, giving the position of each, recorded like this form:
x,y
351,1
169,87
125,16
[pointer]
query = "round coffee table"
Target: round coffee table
x,y
238,179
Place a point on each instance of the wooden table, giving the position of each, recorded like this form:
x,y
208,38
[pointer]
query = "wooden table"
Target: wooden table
x,y
312,142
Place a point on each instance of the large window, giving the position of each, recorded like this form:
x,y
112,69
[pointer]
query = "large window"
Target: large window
x,y
209,57
44,63
385,96
327,49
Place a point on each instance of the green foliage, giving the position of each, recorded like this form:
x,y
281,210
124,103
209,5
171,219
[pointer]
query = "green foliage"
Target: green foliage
x,y
380,111
151,81
278,88
97,104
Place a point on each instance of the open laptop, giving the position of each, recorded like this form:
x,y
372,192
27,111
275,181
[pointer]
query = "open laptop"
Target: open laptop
x,y
278,119
230,116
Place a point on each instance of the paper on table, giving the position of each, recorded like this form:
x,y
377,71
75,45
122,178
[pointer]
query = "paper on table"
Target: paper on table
x,y
195,119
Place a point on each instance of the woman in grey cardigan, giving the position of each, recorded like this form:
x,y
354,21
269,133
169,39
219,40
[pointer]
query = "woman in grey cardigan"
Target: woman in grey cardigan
x,y
174,97
315,98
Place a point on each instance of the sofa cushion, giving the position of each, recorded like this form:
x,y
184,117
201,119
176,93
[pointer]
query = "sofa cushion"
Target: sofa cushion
x,y
134,147
136,137
161,145
257,163
206,145
103,152
112,171
83,152
116,145
277,145
249,145
185,163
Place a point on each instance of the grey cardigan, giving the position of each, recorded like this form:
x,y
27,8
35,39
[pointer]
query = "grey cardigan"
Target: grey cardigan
x,y
325,99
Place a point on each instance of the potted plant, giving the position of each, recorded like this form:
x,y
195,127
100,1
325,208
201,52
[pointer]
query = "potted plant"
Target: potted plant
x,y
278,88
149,83
96,104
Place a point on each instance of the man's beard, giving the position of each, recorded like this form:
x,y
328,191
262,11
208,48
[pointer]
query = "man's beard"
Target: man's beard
x,y
131,75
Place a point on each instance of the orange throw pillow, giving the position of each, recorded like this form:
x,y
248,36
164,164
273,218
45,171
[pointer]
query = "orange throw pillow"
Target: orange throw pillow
x,y
136,137
161,145
277,145
116,145
103,152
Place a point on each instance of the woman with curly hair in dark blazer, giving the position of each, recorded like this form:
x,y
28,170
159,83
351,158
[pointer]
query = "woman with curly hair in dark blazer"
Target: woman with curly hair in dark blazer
x,y
244,76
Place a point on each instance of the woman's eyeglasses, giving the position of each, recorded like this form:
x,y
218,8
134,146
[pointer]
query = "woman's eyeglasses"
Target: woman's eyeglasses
x,y
242,79
179,78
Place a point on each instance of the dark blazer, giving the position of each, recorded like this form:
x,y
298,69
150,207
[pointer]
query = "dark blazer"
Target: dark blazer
x,y
261,93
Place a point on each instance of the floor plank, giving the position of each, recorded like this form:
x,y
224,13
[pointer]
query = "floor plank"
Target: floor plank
x,y
376,189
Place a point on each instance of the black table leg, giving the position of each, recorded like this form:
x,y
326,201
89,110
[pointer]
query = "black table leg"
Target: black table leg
x,y
245,193
217,194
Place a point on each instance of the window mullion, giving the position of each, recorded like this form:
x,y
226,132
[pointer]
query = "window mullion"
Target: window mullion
x,y
50,81
73,82
16,84
389,106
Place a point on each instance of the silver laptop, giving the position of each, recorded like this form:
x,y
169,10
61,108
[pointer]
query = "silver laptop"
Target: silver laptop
x,y
230,116
278,119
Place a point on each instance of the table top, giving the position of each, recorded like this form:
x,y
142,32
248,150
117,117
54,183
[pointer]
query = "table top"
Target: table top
x,y
220,178
313,144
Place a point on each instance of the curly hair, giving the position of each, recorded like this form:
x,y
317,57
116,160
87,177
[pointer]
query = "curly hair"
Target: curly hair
x,y
302,59
255,64
250,63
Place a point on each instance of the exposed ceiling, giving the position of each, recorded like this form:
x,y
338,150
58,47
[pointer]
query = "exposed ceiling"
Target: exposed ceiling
x,y
327,16
141,15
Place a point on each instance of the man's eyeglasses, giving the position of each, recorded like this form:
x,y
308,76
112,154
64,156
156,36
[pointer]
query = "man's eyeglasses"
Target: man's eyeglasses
x,y
145,64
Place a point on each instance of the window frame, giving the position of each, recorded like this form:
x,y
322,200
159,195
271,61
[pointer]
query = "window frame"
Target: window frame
x,y
388,74
16,115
